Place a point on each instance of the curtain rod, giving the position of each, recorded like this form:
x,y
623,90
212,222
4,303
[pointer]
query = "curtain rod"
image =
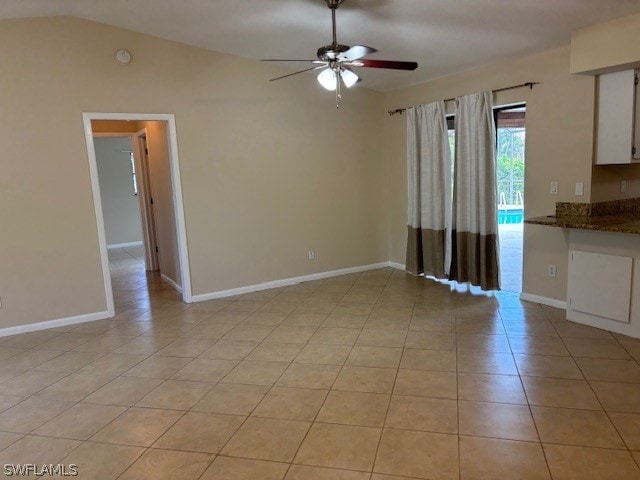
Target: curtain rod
x,y
513,87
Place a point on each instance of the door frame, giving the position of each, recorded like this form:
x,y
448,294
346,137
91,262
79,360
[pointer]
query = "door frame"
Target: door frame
x,y
178,205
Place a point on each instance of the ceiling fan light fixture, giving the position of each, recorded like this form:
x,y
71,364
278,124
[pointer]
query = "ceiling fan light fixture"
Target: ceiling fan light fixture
x,y
334,58
328,79
348,77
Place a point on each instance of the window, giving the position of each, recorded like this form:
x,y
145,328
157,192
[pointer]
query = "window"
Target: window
x,y
451,130
510,141
452,135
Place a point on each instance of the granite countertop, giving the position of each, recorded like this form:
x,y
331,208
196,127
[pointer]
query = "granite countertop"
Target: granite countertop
x,y
621,216
628,222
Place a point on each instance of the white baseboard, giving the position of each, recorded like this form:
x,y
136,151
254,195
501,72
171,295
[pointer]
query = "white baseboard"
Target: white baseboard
x,y
398,266
61,322
286,282
173,284
122,245
551,302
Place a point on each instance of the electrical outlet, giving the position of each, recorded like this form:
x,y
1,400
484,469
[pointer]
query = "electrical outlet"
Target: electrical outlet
x,y
311,254
552,271
554,188
579,189
623,186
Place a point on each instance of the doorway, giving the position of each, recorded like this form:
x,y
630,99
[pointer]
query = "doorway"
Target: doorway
x,y
155,176
510,170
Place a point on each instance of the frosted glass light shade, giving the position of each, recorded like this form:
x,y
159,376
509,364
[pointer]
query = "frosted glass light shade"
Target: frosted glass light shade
x,y
328,79
349,78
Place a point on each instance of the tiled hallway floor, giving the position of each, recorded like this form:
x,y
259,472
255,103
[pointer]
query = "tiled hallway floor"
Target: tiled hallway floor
x,y
368,376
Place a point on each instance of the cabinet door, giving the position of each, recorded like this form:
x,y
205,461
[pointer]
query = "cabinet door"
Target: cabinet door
x,y
600,284
616,111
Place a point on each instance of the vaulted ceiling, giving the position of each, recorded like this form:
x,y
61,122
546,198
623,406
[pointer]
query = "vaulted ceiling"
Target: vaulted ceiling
x,y
443,36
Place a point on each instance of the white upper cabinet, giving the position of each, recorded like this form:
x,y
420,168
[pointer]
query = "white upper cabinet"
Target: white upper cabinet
x,y
618,134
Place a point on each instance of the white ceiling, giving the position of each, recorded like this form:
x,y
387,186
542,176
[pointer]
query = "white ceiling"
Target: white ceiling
x,y
443,36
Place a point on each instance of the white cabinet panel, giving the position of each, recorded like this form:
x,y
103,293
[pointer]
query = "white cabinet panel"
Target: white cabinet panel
x,y
615,122
600,284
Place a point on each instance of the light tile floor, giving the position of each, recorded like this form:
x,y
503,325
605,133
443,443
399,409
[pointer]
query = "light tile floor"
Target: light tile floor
x,y
373,376
511,239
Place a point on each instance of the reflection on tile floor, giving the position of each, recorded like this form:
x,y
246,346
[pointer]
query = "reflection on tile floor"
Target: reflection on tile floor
x,y
372,376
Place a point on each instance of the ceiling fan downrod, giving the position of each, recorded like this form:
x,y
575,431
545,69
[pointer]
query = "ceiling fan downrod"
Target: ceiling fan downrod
x,y
333,5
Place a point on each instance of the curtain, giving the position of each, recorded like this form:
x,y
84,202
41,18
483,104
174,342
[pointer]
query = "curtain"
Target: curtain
x,y
429,191
474,223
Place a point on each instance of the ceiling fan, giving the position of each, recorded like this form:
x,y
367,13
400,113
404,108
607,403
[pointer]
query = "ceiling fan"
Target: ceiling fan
x,y
336,61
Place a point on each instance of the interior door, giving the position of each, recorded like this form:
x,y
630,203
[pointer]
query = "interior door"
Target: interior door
x,y
146,204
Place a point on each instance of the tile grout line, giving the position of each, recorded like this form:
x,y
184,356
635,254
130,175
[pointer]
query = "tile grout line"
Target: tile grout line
x,y
324,401
270,389
458,436
529,406
595,395
393,387
215,384
606,412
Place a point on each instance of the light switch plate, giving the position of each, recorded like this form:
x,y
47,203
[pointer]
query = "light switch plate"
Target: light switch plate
x,y
579,189
554,188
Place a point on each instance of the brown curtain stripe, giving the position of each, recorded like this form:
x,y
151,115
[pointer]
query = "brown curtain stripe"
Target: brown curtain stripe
x,y
429,261
474,259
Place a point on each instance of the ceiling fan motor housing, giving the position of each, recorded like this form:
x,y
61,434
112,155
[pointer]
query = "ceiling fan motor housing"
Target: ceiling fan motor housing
x,y
331,52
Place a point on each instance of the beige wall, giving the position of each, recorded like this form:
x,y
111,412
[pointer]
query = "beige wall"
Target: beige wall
x,y
560,122
607,178
606,46
269,170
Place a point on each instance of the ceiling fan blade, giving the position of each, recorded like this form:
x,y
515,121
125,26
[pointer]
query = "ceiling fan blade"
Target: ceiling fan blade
x,y
356,52
385,64
296,73
286,60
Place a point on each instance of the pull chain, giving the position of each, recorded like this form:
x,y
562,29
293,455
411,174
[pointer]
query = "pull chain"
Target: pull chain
x,y
338,89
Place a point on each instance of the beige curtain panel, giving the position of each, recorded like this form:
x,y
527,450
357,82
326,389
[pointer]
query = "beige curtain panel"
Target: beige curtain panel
x,y
429,192
474,239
